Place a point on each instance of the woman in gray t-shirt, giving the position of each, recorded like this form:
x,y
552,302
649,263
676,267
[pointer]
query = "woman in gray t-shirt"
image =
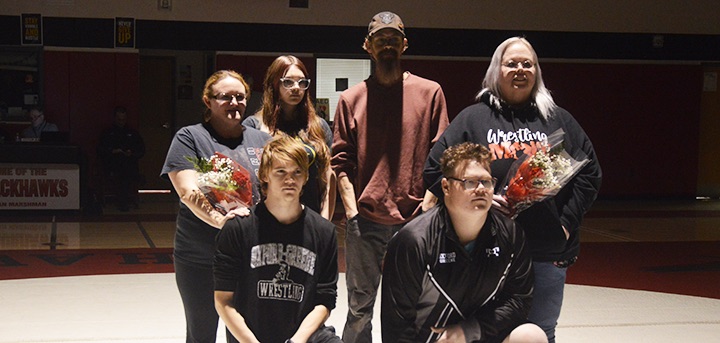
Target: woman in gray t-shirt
x,y
198,221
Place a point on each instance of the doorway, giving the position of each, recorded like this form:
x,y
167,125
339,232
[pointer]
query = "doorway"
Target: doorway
x,y
156,116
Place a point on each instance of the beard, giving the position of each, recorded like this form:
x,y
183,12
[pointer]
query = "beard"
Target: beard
x,y
388,60
388,56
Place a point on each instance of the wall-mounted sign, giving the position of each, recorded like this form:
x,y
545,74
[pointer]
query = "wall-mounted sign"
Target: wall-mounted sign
x,y
124,32
165,5
39,186
31,29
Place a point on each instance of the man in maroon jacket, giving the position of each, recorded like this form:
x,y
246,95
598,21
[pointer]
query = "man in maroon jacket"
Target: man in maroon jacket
x,y
384,130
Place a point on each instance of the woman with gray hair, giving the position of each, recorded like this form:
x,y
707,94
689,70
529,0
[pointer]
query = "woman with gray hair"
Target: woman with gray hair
x,y
514,116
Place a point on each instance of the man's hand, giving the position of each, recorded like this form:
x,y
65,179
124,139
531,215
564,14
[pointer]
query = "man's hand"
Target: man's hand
x,y
347,194
349,215
450,334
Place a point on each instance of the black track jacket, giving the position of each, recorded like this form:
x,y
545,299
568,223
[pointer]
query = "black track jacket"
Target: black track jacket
x,y
430,280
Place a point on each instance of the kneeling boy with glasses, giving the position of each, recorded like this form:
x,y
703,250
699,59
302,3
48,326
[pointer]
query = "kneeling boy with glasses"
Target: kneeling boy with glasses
x,y
460,272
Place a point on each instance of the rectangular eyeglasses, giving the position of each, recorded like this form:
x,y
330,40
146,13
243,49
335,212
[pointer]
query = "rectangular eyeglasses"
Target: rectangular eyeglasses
x,y
470,185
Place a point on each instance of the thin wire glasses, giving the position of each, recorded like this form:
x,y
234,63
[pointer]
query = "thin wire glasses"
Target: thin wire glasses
x,y
290,83
226,97
471,185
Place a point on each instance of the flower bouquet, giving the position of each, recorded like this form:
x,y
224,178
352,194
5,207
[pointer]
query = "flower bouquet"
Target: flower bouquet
x,y
536,177
224,182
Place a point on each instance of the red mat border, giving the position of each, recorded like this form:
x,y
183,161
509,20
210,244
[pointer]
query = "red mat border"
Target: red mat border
x,y
688,268
23,264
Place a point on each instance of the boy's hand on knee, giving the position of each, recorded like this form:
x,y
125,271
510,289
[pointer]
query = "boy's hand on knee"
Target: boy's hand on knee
x,y
450,334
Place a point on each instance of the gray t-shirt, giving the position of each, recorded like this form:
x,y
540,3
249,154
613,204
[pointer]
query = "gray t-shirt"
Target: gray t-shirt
x,y
194,239
254,122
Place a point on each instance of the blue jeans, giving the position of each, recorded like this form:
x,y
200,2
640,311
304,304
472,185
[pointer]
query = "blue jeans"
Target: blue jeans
x,y
547,297
365,246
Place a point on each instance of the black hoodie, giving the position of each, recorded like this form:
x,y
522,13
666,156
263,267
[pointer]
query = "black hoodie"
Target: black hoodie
x,y
510,132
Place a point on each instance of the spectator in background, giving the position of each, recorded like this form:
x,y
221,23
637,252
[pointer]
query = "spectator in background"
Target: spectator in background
x,y
119,151
38,125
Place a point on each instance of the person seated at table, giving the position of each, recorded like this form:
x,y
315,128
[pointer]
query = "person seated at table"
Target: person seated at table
x,y
39,125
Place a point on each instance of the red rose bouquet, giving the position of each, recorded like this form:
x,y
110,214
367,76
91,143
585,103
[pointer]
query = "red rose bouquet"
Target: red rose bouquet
x,y
536,177
224,182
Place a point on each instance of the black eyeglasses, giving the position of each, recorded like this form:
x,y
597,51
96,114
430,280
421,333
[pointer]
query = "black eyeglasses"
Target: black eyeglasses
x,y
527,64
470,185
290,83
225,97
